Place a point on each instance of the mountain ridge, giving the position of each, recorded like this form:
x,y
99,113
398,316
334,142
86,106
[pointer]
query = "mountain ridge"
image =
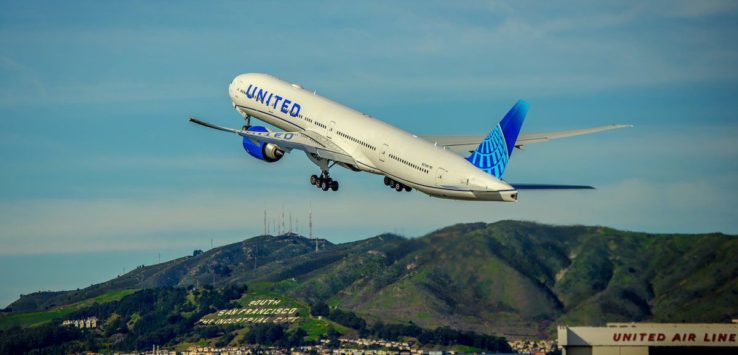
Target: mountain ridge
x,y
509,277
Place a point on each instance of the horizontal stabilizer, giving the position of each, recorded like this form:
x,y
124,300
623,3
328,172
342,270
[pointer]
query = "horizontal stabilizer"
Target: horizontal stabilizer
x,y
550,187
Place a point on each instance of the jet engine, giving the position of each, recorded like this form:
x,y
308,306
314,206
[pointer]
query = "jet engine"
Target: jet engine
x,y
267,152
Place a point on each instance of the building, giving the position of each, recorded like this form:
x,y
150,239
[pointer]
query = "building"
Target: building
x,y
87,323
649,339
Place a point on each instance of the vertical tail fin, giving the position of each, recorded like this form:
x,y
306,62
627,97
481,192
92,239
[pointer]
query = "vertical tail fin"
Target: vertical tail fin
x,y
493,153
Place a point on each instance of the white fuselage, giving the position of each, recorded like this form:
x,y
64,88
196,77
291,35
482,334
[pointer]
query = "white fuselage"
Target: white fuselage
x,y
376,146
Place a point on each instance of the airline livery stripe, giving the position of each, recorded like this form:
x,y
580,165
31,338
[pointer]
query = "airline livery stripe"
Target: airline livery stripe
x,y
397,178
275,116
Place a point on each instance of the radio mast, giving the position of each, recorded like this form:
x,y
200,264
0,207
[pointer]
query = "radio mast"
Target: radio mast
x,y
310,226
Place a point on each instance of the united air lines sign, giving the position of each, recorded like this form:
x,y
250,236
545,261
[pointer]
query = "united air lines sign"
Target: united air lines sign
x,y
651,335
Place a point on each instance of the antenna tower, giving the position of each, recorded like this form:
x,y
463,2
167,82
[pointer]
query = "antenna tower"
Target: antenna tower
x,y
310,226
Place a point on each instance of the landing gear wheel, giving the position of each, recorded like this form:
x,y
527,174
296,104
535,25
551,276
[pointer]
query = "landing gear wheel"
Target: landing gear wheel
x,y
398,187
334,185
313,179
408,188
387,181
325,185
392,184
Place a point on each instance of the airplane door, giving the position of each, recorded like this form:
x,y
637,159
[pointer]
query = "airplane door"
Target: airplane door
x,y
383,152
440,176
331,128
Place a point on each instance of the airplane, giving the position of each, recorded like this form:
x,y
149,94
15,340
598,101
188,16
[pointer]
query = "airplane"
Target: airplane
x,y
333,134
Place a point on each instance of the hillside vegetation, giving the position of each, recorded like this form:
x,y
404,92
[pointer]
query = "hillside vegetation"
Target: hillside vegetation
x,y
509,278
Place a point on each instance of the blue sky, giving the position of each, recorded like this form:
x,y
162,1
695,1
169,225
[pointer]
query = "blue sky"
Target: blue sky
x,y
97,156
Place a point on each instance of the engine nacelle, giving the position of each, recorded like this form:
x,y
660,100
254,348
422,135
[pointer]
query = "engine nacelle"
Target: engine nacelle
x,y
267,152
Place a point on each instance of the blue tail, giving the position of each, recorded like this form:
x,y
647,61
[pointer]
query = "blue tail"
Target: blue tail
x,y
495,150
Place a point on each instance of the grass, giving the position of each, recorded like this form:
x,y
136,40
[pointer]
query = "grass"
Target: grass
x,y
261,286
184,346
315,328
465,349
334,302
422,315
32,319
114,295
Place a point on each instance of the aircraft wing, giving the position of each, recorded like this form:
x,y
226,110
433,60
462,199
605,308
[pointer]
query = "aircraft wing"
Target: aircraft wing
x,y
307,141
464,144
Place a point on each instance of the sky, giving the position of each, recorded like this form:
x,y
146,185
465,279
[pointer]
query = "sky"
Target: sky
x,y
100,170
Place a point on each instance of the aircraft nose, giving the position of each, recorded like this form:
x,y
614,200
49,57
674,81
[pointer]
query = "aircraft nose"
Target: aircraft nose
x,y
232,89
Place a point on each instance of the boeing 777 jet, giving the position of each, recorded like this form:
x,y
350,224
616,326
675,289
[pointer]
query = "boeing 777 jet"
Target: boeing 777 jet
x,y
454,167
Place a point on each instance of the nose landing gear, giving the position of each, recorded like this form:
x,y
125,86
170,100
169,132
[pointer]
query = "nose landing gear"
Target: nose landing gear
x,y
246,123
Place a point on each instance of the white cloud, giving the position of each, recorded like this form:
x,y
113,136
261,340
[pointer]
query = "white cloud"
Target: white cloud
x,y
528,47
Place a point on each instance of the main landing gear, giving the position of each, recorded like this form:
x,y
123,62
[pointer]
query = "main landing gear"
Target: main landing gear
x,y
396,185
324,182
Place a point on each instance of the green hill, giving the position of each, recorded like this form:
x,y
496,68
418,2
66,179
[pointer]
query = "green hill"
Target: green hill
x,y
510,278
34,318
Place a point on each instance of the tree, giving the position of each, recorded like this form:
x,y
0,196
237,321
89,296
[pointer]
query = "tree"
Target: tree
x,y
333,335
320,309
296,338
349,319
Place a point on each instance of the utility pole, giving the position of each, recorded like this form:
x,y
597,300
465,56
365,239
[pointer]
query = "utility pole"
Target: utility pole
x,y
213,269
310,226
